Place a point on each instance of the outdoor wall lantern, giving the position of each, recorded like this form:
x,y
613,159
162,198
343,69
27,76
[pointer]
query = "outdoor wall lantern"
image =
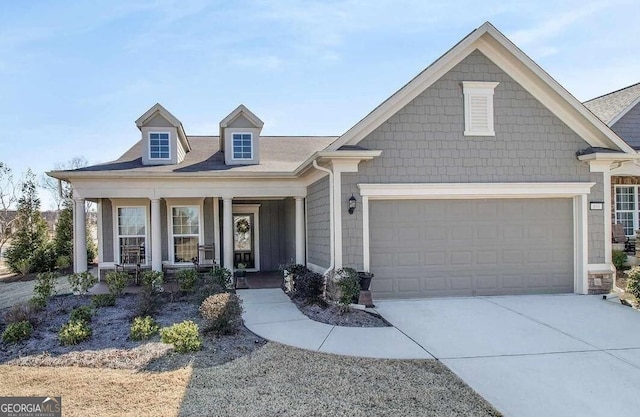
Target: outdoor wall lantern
x,y
352,204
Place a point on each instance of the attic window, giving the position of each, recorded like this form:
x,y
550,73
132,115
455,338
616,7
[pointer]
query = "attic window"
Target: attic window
x,y
159,147
478,108
242,146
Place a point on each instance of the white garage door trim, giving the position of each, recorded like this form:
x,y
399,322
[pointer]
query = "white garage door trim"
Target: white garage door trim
x,y
577,191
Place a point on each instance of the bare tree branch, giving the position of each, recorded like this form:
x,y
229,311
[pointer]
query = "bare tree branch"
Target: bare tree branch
x,y
51,184
9,194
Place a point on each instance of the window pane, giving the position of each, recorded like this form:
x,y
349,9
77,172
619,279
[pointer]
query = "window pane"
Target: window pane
x,y
159,145
186,220
131,221
242,232
185,248
242,146
626,219
625,198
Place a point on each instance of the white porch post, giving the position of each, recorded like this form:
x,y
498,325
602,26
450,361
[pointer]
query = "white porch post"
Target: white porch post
x,y
79,236
156,240
227,232
300,258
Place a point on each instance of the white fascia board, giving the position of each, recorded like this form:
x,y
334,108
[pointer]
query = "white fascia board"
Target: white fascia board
x,y
548,91
610,156
474,190
230,174
354,155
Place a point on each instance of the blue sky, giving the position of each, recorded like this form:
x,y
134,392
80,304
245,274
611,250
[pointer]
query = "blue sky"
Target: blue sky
x,y
75,75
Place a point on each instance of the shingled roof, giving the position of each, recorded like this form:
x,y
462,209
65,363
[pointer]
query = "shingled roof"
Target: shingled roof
x,y
278,154
610,107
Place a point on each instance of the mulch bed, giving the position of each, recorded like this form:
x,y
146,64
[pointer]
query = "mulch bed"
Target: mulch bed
x,y
110,346
337,316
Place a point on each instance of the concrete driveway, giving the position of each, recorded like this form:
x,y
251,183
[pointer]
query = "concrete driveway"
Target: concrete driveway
x,y
541,355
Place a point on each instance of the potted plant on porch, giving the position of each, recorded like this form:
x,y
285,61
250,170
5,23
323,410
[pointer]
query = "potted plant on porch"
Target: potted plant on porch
x,y
241,269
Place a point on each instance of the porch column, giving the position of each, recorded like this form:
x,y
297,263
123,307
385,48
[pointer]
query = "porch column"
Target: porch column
x,y
79,236
156,240
227,232
300,258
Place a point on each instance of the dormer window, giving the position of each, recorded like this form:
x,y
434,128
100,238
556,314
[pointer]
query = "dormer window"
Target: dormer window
x,y
159,145
242,146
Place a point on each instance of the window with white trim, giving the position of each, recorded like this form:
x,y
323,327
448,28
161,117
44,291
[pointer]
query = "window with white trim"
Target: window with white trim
x,y
132,230
185,232
627,212
242,145
478,108
159,145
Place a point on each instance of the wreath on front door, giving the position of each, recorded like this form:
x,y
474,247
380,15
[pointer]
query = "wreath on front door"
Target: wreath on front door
x,y
242,226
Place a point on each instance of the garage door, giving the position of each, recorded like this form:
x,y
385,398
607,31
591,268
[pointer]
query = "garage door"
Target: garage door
x,y
435,248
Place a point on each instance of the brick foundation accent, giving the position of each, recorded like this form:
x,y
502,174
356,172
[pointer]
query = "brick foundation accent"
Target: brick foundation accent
x,y
600,282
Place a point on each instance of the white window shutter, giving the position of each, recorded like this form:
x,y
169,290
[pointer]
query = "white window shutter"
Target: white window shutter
x,y
478,108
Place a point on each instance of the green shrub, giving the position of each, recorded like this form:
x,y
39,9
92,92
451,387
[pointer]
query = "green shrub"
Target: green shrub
x,y
633,282
143,328
74,332
45,287
149,300
116,281
15,332
63,262
20,312
619,258
82,282
44,258
309,287
185,336
222,312
84,313
152,280
38,303
22,266
221,278
187,279
349,285
103,300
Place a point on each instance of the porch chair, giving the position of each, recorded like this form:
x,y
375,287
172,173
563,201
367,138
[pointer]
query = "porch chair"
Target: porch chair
x,y
205,261
130,261
618,236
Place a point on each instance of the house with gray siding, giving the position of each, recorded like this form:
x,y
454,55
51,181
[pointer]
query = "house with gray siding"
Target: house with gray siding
x,y
620,110
480,176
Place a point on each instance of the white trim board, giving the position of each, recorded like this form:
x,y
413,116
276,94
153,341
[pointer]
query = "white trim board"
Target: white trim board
x,y
474,190
577,191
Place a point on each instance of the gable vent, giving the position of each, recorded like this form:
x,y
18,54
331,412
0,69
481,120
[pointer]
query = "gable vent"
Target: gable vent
x,y
478,108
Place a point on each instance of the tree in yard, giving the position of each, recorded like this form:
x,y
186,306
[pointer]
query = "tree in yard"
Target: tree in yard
x,y
8,198
29,249
63,240
51,184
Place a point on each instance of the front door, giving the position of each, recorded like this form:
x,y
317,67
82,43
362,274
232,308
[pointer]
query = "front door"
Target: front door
x,y
244,241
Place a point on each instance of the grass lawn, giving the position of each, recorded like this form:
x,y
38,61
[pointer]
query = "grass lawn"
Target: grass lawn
x,y
273,380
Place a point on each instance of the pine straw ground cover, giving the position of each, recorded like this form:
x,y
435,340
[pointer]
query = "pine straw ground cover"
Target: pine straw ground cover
x,y
272,380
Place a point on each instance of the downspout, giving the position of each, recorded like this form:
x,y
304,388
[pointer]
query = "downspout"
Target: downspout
x,y
331,219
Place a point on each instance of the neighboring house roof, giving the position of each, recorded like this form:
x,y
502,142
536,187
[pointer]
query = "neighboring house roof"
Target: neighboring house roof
x,y
499,49
278,155
612,106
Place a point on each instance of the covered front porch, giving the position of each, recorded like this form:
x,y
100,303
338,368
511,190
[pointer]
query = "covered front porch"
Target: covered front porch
x,y
254,234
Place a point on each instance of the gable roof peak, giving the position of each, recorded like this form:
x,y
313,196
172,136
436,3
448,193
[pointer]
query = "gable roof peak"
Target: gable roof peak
x,y
242,110
513,61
